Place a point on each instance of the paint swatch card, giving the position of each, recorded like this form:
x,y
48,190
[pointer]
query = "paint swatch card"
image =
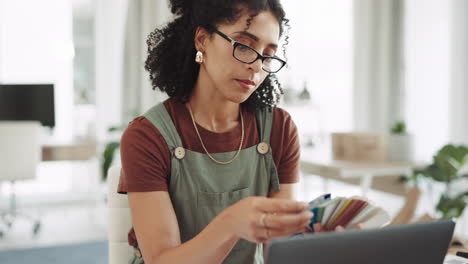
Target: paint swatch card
x,y
346,212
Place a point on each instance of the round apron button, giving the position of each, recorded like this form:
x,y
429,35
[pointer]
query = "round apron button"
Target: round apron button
x,y
262,148
179,152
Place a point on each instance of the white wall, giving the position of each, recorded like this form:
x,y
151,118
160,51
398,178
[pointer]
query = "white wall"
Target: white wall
x,y
459,93
320,53
378,71
36,46
425,82
142,18
2,29
110,21
428,72
155,14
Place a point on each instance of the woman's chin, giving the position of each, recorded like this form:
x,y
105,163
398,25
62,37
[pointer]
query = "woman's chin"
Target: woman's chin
x,y
239,99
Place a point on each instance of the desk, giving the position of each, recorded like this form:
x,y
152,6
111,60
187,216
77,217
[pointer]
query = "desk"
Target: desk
x,y
73,151
319,162
80,153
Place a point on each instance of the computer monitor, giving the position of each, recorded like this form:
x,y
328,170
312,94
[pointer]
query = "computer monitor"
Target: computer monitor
x,y
34,102
403,244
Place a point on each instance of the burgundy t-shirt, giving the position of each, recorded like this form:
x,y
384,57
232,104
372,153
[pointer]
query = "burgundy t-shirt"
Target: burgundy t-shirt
x,y
146,159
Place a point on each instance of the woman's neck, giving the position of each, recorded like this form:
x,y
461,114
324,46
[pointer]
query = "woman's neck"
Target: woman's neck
x,y
211,110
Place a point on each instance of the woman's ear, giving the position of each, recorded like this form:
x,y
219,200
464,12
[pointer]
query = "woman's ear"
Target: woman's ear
x,y
201,37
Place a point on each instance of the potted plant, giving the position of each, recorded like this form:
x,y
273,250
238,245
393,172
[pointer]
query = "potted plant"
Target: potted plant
x,y
113,145
449,170
449,167
400,143
110,149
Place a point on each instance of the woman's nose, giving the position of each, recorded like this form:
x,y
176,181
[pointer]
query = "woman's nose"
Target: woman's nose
x,y
256,66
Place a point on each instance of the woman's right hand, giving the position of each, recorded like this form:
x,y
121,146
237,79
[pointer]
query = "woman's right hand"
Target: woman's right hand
x,y
258,219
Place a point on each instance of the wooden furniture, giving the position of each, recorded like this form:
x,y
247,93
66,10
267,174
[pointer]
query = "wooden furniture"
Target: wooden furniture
x,y
319,162
72,151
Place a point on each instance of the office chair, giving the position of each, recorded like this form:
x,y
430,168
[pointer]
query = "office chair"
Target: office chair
x,y
119,220
20,154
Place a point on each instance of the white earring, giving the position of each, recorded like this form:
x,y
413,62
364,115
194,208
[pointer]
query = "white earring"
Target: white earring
x,y
199,57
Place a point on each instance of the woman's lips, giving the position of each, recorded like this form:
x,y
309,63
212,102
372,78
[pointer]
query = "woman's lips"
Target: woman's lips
x,y
246,84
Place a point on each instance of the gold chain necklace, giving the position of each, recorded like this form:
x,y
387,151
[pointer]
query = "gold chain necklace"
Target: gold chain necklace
x,y
203,145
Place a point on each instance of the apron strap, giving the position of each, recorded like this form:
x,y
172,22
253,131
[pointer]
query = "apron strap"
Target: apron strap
x,y
264,122
161,119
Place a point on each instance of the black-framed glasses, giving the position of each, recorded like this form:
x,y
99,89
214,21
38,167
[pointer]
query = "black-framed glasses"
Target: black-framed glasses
x,y
246,54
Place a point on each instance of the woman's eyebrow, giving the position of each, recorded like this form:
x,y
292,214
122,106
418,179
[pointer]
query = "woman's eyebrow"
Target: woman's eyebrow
x,y
252,36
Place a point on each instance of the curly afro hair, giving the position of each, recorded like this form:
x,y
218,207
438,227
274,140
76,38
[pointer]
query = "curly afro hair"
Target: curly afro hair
x,y
171,49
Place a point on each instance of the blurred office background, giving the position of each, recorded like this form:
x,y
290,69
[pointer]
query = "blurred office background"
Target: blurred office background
x,y
354,66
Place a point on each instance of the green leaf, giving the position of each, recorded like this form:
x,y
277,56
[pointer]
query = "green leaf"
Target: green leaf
x,y
452,158
459,153
403,179
116,128
447,163
452,207
436,173
399,127
108,157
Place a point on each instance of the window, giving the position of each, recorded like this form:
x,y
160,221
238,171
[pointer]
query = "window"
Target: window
x,y
427,69
320,57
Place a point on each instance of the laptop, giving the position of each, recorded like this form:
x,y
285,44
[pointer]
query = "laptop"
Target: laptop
x,y
403,244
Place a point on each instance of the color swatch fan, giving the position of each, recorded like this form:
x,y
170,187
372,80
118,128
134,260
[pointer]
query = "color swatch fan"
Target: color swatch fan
x,y
346,212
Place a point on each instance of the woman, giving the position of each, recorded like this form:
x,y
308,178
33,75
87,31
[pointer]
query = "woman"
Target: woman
x,y
201,169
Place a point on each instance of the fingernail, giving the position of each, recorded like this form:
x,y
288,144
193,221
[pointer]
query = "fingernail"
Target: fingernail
x,y
309,214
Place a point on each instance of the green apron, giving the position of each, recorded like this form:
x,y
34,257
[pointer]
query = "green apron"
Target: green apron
x,y
200,189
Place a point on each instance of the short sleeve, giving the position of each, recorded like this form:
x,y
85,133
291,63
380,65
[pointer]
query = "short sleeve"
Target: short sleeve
x,y
145,158
285,146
